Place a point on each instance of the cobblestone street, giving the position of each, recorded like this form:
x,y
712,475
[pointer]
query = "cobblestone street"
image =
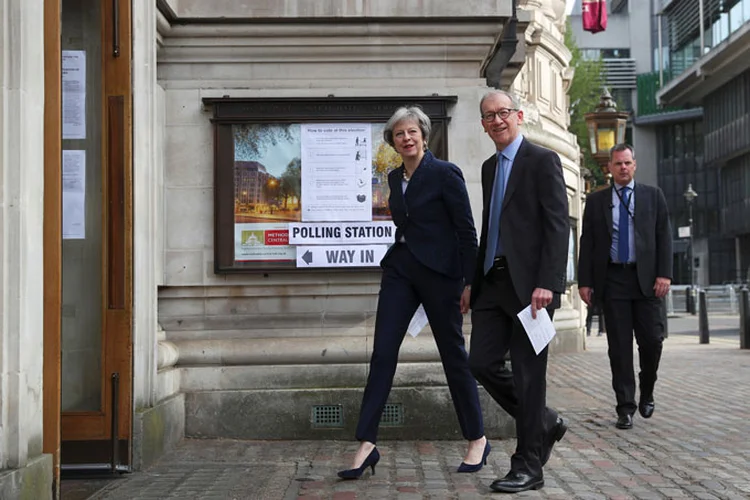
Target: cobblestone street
x,y
697,445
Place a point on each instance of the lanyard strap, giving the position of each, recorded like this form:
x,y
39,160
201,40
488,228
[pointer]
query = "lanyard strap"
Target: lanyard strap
x,y
630,198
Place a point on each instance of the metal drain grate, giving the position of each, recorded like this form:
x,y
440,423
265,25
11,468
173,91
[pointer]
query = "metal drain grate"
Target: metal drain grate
x,y
393,415
327,416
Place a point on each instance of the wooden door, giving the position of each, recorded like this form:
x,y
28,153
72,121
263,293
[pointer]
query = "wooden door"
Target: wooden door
x,y
96,236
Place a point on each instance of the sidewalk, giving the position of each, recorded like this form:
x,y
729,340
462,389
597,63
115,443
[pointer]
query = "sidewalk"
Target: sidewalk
x,y
697,444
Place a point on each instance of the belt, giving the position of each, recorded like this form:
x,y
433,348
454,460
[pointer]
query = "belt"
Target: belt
x,y
622,265
500,263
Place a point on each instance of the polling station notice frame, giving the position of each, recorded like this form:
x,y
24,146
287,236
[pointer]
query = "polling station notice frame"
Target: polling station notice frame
x,y
258,180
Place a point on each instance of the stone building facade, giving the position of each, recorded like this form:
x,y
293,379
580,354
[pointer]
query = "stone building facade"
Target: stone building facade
x,y
245,355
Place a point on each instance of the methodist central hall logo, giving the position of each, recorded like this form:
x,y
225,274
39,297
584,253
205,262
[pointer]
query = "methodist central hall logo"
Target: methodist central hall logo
x,y
252,238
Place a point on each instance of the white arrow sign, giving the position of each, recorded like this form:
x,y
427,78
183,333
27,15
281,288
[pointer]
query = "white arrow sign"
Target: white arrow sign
x,y
340,256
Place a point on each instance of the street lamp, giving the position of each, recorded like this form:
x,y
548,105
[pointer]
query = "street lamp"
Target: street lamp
x,y
606,127
690,196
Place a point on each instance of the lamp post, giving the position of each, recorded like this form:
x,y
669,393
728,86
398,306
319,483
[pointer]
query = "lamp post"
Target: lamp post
x,y
606,127
690,196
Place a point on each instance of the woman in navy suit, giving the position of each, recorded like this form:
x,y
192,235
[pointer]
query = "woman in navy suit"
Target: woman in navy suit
x,y
431,263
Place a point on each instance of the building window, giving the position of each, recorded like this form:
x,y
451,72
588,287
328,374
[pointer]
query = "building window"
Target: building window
x,y
618,6
590,54
623,98
615,53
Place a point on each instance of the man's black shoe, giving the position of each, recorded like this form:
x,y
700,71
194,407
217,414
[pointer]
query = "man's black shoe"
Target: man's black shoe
x,y
555,434
515,482
646,408
624,422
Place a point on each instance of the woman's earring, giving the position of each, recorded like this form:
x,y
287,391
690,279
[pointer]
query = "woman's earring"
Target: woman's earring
x,y
424,147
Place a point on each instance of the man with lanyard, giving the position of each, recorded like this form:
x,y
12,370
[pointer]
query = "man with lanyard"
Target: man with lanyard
x,y
625,265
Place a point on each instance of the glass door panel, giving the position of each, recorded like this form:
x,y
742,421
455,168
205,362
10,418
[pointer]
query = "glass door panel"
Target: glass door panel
x,y
82,207
96,267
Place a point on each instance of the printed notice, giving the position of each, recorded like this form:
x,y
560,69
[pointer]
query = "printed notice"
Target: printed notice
x,y
540,330
74,194
74,94
336,172
342,233
418,321
340,256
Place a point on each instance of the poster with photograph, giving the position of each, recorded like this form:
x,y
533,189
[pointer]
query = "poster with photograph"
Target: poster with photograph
x,y
269,193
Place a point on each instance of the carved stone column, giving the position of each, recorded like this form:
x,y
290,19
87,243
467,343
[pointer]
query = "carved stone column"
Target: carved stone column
x,y
21,251
542,84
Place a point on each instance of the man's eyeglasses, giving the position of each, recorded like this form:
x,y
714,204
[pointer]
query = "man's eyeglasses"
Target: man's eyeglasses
x,y
502,113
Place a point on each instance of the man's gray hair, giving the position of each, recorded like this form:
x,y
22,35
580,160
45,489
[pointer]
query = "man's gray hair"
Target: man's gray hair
x,y
515,102
410,113
617,148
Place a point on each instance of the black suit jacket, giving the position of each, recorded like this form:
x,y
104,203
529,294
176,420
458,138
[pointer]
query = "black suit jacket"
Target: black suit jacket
x,y
653,239
434,216
534,223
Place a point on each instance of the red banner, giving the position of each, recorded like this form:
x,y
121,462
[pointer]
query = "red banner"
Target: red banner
x,y
276,237
594,15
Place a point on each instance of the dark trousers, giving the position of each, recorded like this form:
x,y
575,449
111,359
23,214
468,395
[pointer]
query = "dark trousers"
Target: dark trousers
x,y
522,390
627,310
594,311
405,284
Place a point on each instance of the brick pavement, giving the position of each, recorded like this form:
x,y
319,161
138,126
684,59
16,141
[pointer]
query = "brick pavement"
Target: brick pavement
x,y
697,445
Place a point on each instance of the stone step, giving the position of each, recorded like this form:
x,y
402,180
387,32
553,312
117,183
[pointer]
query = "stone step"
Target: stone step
x,y
313,376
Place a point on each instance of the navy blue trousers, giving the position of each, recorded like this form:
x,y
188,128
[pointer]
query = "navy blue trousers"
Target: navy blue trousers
x,y
405,284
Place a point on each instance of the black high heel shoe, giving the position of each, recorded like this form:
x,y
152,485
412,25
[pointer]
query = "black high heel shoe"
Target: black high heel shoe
x,y
371,461
464,467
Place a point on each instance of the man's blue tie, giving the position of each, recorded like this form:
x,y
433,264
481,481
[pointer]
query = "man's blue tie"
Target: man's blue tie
x,y
623,241
494,246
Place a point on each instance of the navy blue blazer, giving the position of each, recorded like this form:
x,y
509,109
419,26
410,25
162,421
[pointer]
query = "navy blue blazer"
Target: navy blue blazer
x,y
434,216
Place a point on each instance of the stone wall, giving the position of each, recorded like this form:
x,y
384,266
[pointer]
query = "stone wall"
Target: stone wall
x,y
255,349
24,470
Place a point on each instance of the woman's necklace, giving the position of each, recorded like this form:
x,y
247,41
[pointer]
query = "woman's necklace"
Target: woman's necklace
x,y
407,176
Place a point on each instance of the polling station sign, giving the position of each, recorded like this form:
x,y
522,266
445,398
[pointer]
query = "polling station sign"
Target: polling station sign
x,y
342,233
340,256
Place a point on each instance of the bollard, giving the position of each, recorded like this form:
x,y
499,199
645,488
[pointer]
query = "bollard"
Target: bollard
x,y
691,299
744,318
732,299
696,303
703,317
670,303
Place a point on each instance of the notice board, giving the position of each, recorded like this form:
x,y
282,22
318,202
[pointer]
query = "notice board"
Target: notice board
x,y
301,183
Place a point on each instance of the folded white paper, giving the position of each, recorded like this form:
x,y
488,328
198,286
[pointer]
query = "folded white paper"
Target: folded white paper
x,y
418,321
540,330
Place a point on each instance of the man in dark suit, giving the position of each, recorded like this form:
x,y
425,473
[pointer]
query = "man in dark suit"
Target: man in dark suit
x,y
625,261
522,261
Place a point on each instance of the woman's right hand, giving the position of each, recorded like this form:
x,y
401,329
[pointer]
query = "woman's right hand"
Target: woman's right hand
x,y
465,299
